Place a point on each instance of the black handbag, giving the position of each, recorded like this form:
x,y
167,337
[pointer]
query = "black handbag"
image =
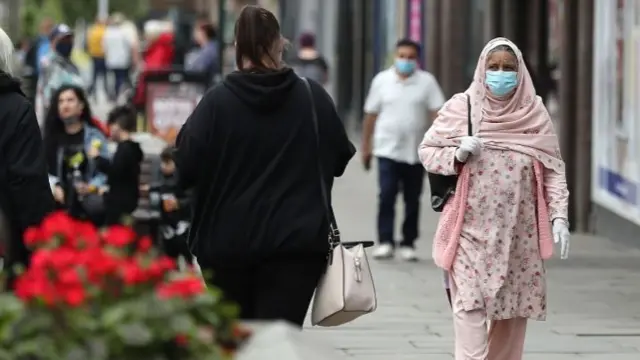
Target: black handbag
x,y
443,186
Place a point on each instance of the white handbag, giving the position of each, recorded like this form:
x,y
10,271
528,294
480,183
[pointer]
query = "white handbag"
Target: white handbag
x,y
346,290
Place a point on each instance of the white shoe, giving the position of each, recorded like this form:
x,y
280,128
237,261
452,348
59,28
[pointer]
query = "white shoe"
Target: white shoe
x,y
408,254
383,251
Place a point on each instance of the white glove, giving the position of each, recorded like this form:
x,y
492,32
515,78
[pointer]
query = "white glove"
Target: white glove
x,y
469,145
561,235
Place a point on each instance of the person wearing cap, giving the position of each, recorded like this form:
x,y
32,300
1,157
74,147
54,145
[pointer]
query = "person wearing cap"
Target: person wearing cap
x,y
57,69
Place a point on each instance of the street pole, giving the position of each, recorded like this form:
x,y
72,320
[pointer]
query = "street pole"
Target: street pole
x,y
103,9
222,36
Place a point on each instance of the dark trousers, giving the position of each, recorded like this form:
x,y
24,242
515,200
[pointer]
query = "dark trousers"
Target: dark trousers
x,y
394,177
277,289
121,77
99,71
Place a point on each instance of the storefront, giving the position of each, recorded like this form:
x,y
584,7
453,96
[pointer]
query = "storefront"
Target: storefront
x,y
616,109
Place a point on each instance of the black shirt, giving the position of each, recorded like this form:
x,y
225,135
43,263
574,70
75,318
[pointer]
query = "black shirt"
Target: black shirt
x,y
123,178
249,151
73,156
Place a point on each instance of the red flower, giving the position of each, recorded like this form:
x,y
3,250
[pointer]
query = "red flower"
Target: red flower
x,y
184,288
132,273
86,236
145,244
62,258
119,236
160,266
33,236
181,340
99,263
74,296
70,277
58,224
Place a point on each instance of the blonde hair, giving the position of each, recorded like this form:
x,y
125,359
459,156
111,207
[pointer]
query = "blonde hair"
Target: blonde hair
x,y
7,60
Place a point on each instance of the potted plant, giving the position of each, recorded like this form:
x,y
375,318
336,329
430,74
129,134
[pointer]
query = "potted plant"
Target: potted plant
x,y
110,295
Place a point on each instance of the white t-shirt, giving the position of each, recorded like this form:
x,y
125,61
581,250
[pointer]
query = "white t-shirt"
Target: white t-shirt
x,y
403,107
117,48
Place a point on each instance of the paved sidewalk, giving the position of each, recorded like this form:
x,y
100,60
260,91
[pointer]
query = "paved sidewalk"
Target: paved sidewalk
x,y
594,297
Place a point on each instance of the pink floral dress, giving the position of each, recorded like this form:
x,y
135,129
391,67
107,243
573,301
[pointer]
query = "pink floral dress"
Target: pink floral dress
x,y
498,265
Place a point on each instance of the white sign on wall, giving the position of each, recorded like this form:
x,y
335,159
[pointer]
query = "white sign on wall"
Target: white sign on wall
x,y
616,109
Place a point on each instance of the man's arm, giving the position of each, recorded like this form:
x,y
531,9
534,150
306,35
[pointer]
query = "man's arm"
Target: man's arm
x,y
372,107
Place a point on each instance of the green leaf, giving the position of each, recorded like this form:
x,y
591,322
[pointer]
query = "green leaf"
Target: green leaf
x,y
134,334
114,315
78,353
99,349
182,323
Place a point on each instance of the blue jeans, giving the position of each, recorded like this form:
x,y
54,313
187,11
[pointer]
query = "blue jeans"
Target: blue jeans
x,y
393,177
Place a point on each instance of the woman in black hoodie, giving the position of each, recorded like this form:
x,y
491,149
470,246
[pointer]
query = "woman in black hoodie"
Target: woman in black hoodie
x,y
249,152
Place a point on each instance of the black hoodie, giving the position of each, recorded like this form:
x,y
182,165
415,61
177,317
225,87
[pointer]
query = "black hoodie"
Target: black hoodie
x,y
249,152
25,195
123,178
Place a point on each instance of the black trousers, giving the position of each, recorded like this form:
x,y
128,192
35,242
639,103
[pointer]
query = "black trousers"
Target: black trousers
x,y
395,177
277,289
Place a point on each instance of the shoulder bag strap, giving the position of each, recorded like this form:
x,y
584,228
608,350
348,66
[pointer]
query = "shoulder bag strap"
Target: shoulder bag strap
x,y
469,125
334,233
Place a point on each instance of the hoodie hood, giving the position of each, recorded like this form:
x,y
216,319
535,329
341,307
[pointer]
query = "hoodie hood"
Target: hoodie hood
x,y
263,91
9,84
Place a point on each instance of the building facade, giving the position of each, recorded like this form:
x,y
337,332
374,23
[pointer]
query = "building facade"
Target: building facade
x,y
615,109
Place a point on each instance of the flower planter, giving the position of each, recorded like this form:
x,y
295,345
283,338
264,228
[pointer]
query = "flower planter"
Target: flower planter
x,y
92,294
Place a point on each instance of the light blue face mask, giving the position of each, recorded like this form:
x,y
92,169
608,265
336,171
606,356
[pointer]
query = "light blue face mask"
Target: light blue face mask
x,y
405,66
500,83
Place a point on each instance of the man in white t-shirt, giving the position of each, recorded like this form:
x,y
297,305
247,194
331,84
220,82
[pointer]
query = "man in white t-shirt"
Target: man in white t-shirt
x,y
118,53
402,102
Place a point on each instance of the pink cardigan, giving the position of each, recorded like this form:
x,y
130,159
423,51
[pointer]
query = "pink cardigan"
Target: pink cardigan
x,y
447,237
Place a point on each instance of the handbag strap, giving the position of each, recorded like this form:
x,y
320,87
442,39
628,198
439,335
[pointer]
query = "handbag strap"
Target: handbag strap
x,y
334,233
469,125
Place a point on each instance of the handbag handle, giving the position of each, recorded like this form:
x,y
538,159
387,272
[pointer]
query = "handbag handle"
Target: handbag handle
x,y
469,126
334,233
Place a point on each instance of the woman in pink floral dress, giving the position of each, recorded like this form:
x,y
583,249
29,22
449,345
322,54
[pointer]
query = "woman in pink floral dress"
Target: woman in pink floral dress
x,y
510,204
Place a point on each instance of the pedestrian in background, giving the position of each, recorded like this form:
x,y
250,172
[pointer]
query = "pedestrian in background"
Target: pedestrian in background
x,y
175,208
57,69
205,59
95,49
402,102
69,134
510,204
123,168
118,54
25,195
259,219
158,56
309,63
41,46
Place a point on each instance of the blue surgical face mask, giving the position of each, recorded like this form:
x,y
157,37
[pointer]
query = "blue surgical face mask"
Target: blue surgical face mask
x,y
64,49
405,66
500,82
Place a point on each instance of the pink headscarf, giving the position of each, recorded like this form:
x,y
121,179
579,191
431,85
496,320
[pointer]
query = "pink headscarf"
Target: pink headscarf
x,y
520,122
